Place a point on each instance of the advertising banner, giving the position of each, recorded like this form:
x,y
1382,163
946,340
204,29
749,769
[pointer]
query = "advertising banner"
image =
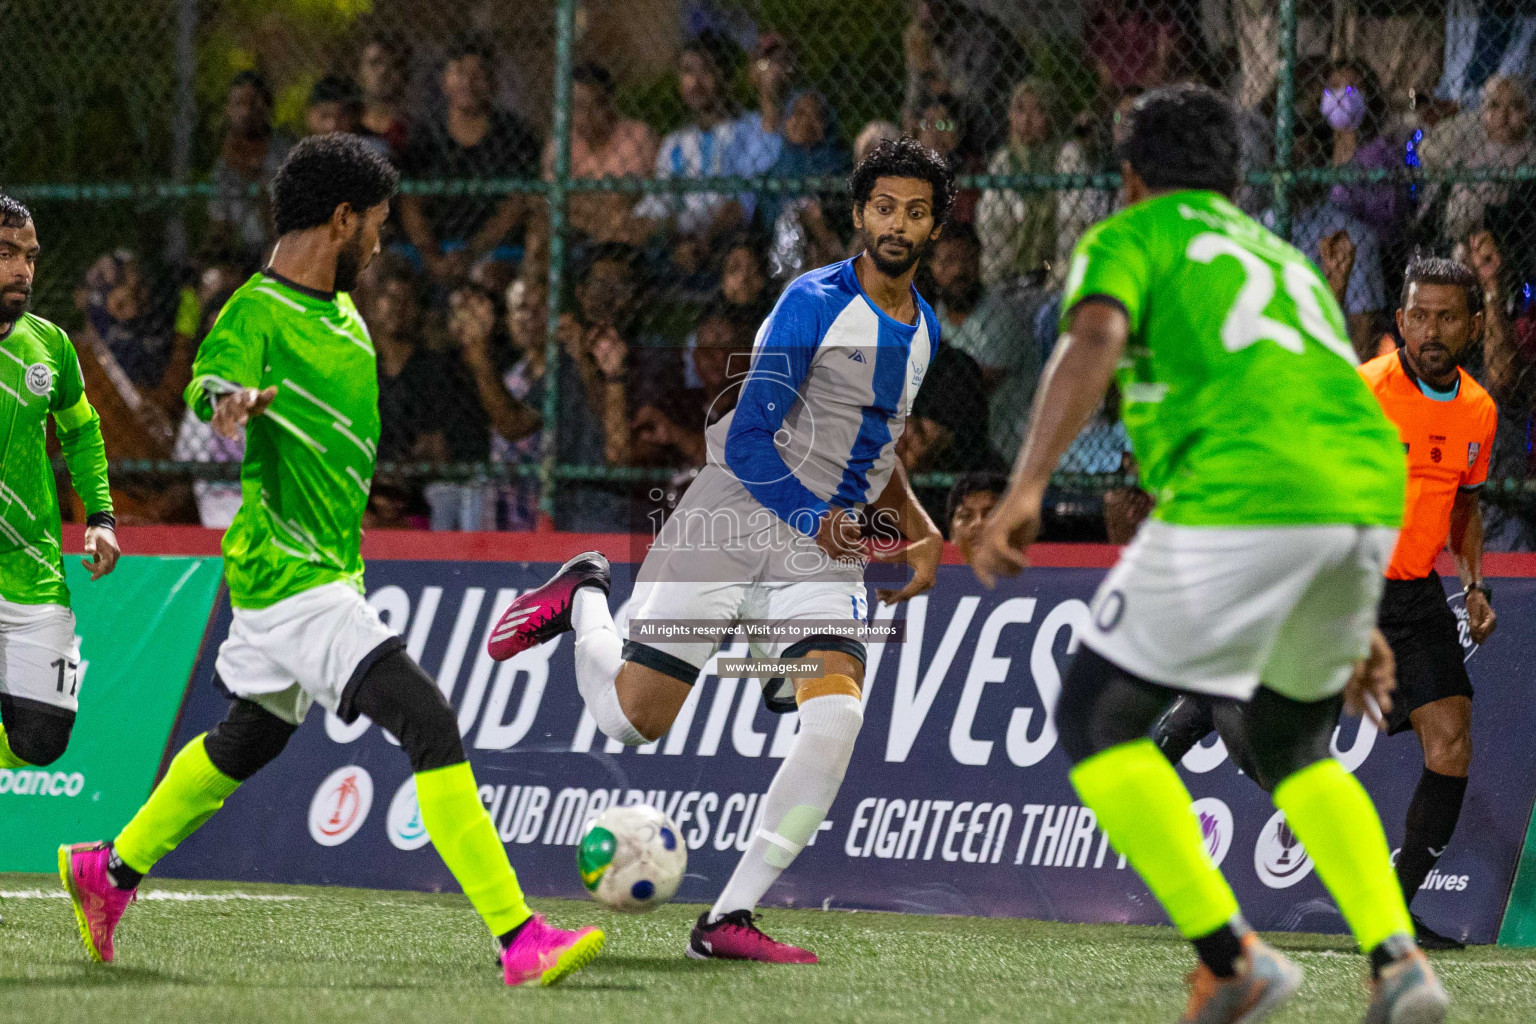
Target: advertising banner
x,y
140,629
957,801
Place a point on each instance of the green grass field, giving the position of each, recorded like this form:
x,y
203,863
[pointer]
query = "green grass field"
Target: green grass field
x,y
315,955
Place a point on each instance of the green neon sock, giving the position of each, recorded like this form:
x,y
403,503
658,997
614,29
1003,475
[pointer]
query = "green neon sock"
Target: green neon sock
x,y
8,759
189,795
1145,810
466,840
1329,811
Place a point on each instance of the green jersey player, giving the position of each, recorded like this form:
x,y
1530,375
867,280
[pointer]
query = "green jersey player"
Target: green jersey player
x,y
40,377
290,361
1280,489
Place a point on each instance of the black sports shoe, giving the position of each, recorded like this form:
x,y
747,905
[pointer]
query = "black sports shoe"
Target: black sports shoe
x,y
736,936
1433,940
545,612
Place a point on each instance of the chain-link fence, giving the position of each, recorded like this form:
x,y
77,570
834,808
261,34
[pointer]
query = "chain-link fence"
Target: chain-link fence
x,y
603,199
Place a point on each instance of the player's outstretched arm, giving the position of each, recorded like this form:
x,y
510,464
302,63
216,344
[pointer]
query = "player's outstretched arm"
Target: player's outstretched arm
x,y
1071,388
898,511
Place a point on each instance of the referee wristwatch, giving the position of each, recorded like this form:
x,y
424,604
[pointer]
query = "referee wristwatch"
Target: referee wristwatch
x,y
1486,590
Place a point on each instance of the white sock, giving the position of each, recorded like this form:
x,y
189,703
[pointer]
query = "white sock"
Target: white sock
x,y
798,800
599,656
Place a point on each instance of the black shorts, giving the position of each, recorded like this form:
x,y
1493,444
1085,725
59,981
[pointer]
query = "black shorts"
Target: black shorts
x,y
1426,641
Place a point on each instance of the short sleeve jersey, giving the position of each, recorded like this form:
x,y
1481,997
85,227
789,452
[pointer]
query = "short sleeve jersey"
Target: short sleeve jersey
x,y
309,457
1239,392
1448,444
39,376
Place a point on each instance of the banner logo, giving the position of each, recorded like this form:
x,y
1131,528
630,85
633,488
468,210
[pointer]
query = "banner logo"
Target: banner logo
x,y
340,806
1279,859
403,822
1216,826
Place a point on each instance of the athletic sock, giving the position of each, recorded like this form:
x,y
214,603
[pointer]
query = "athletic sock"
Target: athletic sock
x,y
119,873
800,795
7,758
599,656
189,795
1145,810
1432,819
507,938
1221,950
1329,811
462,832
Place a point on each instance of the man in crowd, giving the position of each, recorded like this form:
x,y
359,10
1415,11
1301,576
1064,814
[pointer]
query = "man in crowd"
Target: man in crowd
x,y
382,69
475,140
249,154
994,326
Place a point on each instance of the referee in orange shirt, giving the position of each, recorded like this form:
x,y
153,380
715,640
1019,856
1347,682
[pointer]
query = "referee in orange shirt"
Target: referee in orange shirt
x,y
1446,421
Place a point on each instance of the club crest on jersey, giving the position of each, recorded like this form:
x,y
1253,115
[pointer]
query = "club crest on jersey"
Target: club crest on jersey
x,y
39,379
1473,447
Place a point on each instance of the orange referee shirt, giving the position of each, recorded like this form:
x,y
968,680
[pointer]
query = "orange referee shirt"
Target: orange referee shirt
x,y
1448,446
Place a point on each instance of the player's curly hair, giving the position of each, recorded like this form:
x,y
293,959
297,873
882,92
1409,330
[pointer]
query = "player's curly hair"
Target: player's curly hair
x,y
12,213
324,171
1423,269
1184,136
904,158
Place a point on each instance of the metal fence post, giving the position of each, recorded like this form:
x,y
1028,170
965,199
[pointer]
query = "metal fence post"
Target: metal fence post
x,y
183,122
565,29
1285,119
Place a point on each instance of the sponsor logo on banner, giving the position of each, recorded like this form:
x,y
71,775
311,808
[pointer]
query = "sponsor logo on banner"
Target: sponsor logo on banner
x,y
40,782
406,832
1216,826
340,806
1279,858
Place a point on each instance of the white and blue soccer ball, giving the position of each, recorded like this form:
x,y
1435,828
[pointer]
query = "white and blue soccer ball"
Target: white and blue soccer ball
x,y
632,859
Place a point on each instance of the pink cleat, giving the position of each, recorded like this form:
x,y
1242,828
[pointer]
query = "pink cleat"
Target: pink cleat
x,y
737,937
545,954
99,904
545,612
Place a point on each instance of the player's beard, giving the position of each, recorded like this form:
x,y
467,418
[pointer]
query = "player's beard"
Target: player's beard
x,y
349,263
13,303
899,266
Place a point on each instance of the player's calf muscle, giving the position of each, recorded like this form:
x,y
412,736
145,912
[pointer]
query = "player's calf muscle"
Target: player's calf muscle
x,y
650,699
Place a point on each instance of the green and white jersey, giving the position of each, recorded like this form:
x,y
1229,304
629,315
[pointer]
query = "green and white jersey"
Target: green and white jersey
x,y
309,458
40,375
1238,388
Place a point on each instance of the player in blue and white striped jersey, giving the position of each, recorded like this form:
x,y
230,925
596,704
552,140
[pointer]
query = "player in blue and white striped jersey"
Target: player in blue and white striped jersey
x,y
770,531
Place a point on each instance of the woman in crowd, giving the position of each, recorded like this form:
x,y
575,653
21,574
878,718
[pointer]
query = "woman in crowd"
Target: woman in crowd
x,y
1018,228
1354,108
803,238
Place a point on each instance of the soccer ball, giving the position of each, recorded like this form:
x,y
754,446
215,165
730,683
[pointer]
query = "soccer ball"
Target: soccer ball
x,y
632,858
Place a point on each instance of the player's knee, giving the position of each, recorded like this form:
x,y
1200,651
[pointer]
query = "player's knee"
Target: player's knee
x,y
1450,753
1103,706
247,740
400,697
38,740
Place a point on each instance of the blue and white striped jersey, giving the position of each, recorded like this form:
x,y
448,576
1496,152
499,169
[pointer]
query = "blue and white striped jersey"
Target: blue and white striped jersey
x,y
826,398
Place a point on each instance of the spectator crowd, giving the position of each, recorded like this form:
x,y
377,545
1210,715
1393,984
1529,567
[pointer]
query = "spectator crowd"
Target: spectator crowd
x,y
667,288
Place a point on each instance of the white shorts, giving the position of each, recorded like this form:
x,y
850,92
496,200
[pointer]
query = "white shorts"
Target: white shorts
x,y
305,648
40,655
1220,610
744,563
